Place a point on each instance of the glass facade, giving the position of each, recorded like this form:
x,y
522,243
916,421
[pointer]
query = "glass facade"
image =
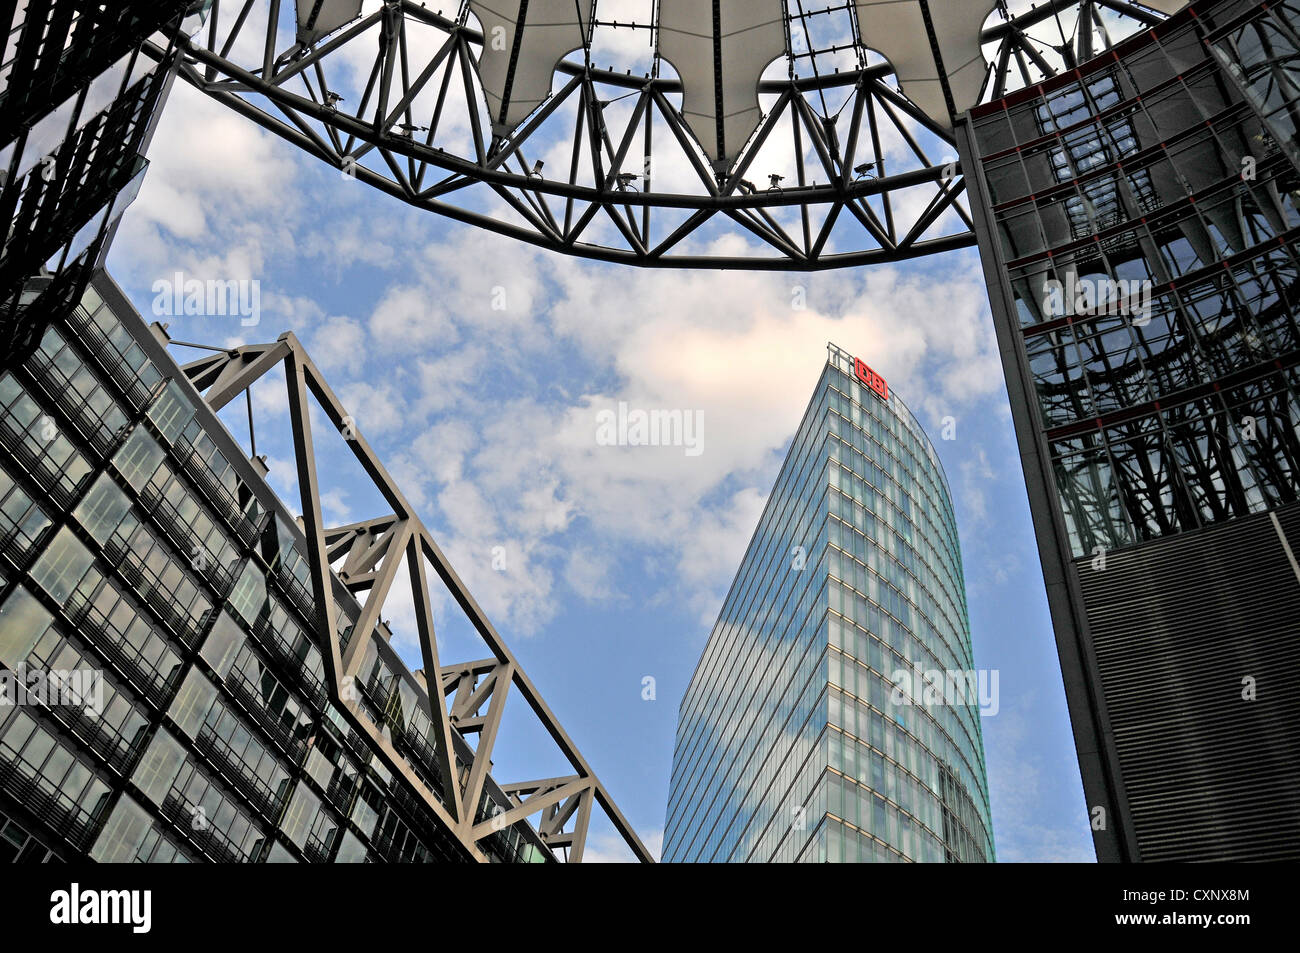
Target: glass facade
x,y
141,552
795,741
1262,55
1147,220
1139,221
78,100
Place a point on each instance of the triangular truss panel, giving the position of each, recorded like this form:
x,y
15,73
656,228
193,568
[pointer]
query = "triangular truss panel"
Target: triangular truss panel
x,y
730,118
440,741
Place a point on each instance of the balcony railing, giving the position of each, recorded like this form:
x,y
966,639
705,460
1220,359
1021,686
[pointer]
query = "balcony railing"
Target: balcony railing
x,y
193,822
177,530
106,356
341,791
60,392
415,813
52,479
297,593
215,492
246,696
384,849
142,581
317,850
380,700
54,809
15,548
122,656
422,756
358,745
246,781
293,667
116,750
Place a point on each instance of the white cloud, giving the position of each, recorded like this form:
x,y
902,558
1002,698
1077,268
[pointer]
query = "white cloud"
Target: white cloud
x,y
609,847
212,173
338,343
410,317
490,416
587,573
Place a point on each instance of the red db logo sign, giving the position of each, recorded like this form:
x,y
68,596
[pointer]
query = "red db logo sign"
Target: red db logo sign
x,y
870,379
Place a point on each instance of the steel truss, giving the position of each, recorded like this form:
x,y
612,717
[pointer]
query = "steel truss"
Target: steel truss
x,y
850,171
364,558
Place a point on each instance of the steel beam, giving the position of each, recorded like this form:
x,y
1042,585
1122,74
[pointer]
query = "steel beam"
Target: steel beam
x,y
372,551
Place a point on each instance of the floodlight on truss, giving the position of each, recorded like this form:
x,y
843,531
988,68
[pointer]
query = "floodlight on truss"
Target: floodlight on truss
x,y
653,118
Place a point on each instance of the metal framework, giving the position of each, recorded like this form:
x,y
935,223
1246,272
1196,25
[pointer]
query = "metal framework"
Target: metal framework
x,y
499,115
364,558
54,195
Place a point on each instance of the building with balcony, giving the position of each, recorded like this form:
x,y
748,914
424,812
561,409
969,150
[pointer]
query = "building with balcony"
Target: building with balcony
x,y
169,693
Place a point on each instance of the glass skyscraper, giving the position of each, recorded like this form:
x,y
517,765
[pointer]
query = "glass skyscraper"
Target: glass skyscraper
x,y
1139,221
801,736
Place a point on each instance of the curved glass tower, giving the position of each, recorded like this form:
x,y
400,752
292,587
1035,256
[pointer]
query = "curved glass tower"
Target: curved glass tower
x,y
834,714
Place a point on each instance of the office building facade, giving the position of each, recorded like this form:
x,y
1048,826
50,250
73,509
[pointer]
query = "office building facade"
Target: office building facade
x,y
166,692
1140,233
79,100
802,736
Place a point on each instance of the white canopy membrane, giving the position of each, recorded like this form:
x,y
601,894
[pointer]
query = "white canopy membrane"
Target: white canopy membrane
x,y
776,134
319,18
934,48
720,50
523,40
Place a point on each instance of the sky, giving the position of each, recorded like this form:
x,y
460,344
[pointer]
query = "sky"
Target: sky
x,y
477,367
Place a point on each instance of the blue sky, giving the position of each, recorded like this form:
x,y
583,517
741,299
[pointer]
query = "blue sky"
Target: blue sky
x,y
477,366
